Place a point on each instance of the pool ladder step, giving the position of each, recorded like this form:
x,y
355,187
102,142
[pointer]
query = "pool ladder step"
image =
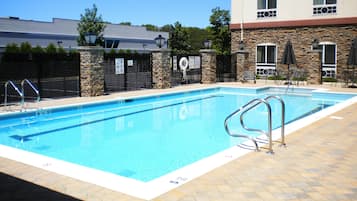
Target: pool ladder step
x,y
20,93
247,107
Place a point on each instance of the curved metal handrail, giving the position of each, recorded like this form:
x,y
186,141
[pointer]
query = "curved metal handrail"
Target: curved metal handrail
x,y
16,89
32,87
250,105
243,108
282,116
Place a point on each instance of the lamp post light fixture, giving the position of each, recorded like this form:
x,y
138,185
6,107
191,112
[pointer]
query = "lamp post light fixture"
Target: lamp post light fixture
x,y
207,44
160,41
241,45
90,38
315,44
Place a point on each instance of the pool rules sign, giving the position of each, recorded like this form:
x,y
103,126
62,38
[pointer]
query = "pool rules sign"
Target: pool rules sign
x,y
119,66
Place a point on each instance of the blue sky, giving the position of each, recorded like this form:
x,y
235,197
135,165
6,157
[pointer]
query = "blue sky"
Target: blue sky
x,y
158,12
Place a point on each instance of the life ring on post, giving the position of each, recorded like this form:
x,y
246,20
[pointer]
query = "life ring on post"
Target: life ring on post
x,y
183,63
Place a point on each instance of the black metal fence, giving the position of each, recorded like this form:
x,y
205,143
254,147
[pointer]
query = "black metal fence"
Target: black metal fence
x,y
125,72
186,69
55,75
225,69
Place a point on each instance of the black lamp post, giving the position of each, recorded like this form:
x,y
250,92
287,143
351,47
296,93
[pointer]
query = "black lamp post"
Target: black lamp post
x,y
160,41
90,38
207,44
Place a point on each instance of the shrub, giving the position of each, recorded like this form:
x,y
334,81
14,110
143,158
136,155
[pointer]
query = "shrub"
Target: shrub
x,y
25,47
38,49
12,48
51,48
329,79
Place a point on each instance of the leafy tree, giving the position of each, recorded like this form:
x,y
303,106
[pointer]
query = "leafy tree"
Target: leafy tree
x,y
166,28
12,48
125,23
25,47
151,27
91,23
51,48
219,29
197,37
38,49
179,39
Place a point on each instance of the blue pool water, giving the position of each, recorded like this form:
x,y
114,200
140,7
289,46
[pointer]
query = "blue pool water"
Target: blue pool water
x,y
145,138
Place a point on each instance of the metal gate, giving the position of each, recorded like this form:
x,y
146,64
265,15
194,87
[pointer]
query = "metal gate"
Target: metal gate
x,y
55,75
186,69
225,69
126,72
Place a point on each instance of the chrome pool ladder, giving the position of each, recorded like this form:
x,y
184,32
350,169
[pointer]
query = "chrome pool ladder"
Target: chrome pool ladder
x,y
28,82
13,85
250,105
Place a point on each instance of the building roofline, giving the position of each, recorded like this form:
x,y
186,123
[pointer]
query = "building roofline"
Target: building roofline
x,y
296,23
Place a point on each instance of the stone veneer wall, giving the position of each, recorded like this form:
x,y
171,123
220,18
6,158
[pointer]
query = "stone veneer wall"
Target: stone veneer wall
x,y
208,65
91,71
242,63
301,38
161,69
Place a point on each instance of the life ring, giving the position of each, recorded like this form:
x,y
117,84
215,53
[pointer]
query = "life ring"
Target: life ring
x,y
183,63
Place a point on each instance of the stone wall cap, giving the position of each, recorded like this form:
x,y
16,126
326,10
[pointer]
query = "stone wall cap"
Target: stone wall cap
x,y
161,50
314,51
207,51
86,48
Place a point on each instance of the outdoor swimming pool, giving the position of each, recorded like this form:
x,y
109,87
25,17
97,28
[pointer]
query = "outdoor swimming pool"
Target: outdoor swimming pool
x,y
146,138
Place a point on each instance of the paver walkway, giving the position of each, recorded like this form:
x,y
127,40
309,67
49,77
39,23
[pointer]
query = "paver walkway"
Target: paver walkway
x,y
319,163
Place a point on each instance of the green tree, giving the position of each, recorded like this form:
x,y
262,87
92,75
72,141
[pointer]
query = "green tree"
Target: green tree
x,y
25,47
91,23
51,48
125,23
12,48
179,39
219,29
38,49
151,27
197,37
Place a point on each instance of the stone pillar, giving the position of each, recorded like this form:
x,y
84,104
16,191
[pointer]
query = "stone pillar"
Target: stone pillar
x,y
242,63
91,71
161,69
314,70
208,63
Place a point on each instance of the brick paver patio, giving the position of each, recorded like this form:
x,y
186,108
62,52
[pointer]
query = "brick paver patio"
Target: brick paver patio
x,y
319,163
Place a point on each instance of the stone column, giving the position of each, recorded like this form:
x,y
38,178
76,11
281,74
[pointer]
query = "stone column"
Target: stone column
x,y
314,70
161,69
208,63
242,63
91,71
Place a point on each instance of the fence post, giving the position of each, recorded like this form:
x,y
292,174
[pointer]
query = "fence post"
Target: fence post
x,y
91,71
315,70
241,63
161,69
208,63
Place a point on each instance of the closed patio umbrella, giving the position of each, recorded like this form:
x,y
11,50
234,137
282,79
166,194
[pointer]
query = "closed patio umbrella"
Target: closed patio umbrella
x,y
288,56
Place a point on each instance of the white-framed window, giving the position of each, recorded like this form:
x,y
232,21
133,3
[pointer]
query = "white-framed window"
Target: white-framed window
x,y
324,7
266,59
267,8
111,43
329,59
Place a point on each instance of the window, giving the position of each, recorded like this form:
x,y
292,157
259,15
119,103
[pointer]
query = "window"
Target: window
x,y
323,7
111,44
266,8
266,59
328,59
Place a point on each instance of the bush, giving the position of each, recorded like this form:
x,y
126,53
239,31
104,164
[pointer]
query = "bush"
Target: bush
x,y
329,79
38,49
112,51
25,47
12,48
51,48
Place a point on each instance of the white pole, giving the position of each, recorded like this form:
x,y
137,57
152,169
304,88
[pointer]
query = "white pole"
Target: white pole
x,y
241,20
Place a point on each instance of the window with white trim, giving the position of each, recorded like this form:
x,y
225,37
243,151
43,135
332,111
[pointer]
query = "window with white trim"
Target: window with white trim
x,y
324,7
266,8
266,59
329,59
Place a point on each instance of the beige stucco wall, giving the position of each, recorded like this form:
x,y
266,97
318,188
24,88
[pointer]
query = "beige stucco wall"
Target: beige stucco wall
x,y
246,10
